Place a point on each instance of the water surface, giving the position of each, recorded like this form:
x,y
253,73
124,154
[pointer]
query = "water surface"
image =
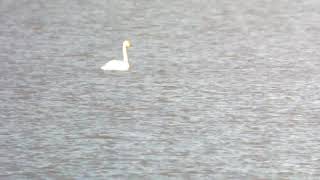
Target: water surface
x,y
217,89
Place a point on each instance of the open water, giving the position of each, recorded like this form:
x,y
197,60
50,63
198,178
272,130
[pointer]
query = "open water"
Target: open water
x,y
218,89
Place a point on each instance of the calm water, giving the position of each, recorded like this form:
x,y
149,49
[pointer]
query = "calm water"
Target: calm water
x,y
218,89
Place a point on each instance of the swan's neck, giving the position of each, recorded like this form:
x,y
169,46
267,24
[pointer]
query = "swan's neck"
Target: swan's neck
x,y
125,54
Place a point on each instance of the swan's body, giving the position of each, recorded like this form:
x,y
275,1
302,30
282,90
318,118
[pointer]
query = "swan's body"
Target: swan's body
x,y
119,65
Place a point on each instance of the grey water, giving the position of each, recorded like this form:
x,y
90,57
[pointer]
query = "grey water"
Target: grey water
x,y
216,90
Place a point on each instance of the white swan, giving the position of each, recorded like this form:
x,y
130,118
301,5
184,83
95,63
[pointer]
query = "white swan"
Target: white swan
x,y
119,65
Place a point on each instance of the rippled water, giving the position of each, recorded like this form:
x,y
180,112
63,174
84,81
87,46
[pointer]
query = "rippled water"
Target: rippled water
x,y
218,89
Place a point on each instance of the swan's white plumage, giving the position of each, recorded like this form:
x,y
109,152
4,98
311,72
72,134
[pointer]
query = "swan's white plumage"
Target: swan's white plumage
x,y
119,65
116,65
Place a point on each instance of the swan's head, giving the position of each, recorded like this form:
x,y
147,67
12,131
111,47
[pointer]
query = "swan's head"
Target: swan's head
x,y
127,43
